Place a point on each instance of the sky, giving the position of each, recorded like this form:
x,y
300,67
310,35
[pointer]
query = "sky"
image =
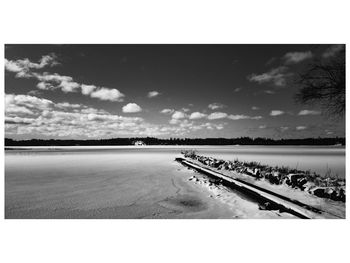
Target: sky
x,y
109,91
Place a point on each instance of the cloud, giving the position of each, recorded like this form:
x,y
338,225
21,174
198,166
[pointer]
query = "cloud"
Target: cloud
x,y
27,101
40,118
108,94
14,109
333,50
131,108
178,115
197,115
262,127
243,117
276,76
269,92
309,112
87,89
215,106
284,128
153,94
167,111
18,120
237,89
299,128
23,66
51,81
217,115
69,86
276,112
255,108
65,105
297,57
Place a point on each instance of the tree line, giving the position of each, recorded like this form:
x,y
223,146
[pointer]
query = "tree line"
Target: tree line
x,y
178,141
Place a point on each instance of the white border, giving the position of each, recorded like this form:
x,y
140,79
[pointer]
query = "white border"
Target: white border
x,y
136,21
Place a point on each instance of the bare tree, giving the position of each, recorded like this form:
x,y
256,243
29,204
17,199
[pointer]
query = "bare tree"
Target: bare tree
x,y
323,83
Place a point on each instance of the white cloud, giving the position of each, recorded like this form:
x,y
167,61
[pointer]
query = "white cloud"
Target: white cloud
x,y
276,112
50,81
309,112
18,120
262,127
69,86
197,115
87,89
37,118
299,128
215,106
65,105
14,109
27,101
277,76
255,108
153,94
108,94
217,115
178,115
237,89
12,66
284,128
269,92
167,111
243,117
333,50
43,86
23,66
131,108
296,57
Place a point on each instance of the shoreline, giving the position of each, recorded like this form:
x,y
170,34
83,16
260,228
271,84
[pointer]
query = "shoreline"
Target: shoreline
x,y
163,146
297,186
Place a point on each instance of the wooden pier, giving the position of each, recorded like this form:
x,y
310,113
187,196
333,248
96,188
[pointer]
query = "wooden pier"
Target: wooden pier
x,y
262,195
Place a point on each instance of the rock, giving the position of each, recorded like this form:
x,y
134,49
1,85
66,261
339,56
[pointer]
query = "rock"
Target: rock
x,y
301,182
274,178
308,186
266,206
257,172
296,180
329,191
253,172
338,195
318,191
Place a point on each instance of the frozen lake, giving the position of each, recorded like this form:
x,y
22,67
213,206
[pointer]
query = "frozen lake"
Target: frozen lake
x,y
139,182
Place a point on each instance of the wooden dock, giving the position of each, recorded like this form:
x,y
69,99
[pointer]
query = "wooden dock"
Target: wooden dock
x,y
262,195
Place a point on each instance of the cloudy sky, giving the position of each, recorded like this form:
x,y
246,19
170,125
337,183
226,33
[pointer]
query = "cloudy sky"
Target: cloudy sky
x,y
106,91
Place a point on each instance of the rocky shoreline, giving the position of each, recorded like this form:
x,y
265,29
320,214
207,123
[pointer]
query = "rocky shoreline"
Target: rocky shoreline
x,y
323,187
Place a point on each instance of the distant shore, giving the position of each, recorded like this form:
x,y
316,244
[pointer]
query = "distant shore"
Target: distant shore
x,y
142,141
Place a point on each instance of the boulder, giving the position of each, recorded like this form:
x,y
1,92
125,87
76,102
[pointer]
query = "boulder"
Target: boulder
x,y
318,191
301,182
296,180
274,177
308,186
253,172
338,195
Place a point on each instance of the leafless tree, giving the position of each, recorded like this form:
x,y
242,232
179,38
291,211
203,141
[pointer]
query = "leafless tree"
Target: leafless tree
x,y
323,83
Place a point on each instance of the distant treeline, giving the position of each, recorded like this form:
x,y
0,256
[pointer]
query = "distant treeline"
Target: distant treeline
x,y
178,141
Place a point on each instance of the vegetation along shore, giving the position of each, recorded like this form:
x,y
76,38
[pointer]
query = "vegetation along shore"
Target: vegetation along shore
x,y
327,186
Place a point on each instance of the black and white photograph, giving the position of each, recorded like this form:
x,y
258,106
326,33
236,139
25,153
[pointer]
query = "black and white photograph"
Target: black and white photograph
x,y
175,131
